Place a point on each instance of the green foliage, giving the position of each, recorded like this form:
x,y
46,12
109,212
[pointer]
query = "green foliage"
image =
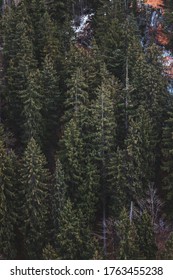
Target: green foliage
x,y
146,241
49,253
81,177
8,196
92,133
74,237
128,248
19,62
32,104
167,253
167,162
49,100
35,181
57,200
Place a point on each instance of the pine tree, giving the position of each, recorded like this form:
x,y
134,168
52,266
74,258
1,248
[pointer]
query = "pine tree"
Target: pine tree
x,y
44,32
80,173
102,139
51,102
8,211
32,100
150,90
89,62
128,238
167,253
147,244
60,10
141,144
119,189
49,253
167,162
57,199
19,62
120,39
74,237
35,181
77,96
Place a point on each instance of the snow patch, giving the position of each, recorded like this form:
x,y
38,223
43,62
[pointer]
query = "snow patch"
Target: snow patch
x,y
83,21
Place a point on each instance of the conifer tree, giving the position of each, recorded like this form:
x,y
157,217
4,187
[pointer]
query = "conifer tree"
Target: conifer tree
x,y
167,162
44,32
128,244
103,139
51,101
74,237
35,181
167,253
141,144
80,173
57,199
150,89
32,100
8,195
18,57
120,184
77,96
89,63
147,244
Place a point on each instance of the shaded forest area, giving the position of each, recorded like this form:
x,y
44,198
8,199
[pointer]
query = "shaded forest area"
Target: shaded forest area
x,y
86,132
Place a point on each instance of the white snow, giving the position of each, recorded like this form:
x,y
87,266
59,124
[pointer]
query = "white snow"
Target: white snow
x,y
83,21
170,88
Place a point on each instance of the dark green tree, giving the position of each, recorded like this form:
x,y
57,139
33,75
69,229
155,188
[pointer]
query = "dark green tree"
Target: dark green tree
x,y
51,101
74,237
35,181
8,204
146,242
32,100
167,253
57,199
128,237
18,62
167,162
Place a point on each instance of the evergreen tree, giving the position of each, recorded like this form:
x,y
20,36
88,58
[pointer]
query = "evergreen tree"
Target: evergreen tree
x,y
8,196
167,253
141,144
35,180
77,96
57,199
102,139
150,90
80,173
90,64
74,237
51,101
147,244
32,100
128,248
49,253
44,32
18,57
120,194
167,162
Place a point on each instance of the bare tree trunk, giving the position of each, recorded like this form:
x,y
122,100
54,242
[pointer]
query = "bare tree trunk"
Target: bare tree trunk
x,y
103,181
131,212
127,94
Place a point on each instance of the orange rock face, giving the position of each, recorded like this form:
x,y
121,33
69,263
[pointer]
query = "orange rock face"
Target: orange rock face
x,y
161,37
155,3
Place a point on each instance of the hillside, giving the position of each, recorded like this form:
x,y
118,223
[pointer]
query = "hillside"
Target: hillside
x,y
86,125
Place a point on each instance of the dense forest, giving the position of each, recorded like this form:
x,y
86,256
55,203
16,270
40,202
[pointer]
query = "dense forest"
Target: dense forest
x,y
86,129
